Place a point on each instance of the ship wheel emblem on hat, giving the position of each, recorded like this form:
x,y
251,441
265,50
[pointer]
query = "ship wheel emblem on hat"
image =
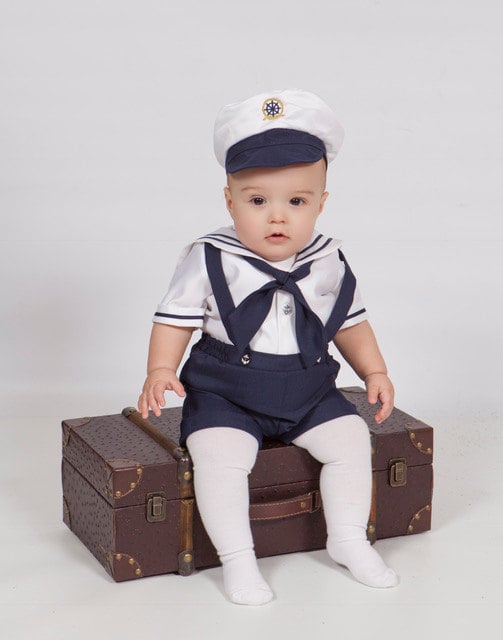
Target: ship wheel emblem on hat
x,y
272,108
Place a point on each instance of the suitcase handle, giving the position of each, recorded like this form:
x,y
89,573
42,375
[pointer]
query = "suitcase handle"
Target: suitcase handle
x,y
307,503
155,433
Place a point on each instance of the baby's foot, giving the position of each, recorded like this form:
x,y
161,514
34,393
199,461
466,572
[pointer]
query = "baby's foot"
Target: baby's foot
x,y
364,562
243,582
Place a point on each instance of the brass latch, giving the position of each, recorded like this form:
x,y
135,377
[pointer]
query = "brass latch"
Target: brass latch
x,y
156,507
398,472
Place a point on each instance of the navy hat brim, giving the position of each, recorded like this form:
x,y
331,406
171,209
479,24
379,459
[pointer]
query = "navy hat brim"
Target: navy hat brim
x,y
274,148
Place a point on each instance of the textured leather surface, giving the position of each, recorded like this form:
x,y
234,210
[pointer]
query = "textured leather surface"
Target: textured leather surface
x,y
110,467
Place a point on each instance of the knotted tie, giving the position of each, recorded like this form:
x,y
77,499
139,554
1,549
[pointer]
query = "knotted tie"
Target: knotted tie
x,y
246,319
243,322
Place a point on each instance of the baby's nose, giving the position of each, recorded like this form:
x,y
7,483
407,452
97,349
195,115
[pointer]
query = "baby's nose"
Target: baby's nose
x,y
277,213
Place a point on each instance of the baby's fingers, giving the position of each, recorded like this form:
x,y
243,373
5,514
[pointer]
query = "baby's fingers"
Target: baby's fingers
x,y
384,412
372,393
147,401
143,406
156,397
178,388
153,392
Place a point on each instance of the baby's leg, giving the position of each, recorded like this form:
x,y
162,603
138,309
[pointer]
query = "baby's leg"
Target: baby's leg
x,y
343,446
223,458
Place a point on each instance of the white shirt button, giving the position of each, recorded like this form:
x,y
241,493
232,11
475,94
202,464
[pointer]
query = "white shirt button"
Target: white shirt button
x,y
287,309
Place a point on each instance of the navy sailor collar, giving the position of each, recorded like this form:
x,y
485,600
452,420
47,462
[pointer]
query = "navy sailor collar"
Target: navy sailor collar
x,y
225,238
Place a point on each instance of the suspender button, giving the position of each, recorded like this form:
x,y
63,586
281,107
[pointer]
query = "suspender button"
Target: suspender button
x,y
245,359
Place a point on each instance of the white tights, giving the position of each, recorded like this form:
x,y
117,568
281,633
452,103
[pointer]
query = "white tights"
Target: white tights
x,y
223,458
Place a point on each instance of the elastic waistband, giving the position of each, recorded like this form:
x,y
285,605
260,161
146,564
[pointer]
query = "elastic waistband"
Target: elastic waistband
x,y
253,359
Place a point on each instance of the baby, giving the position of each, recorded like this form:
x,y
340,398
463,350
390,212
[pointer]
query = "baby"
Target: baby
x,y
270,293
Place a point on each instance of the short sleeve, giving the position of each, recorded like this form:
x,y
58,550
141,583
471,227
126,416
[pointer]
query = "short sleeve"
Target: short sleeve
x,y
357,312
184,304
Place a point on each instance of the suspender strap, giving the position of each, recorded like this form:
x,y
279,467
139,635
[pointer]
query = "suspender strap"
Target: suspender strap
x,y
219,286
309,329
243,322
343,302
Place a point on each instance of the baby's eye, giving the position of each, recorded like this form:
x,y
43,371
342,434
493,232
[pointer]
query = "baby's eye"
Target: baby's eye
x,y
296,201
257,200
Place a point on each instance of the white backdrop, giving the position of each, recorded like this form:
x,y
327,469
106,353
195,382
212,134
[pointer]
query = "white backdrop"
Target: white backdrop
x,y
107,171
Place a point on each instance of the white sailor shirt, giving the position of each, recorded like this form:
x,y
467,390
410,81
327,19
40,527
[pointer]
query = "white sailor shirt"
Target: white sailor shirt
x,y
189,301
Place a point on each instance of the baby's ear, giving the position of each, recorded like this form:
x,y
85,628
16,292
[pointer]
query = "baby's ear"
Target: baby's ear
x,y
324,197
228,199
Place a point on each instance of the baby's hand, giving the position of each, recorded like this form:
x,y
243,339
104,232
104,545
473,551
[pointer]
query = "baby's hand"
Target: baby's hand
x,y
155,385
379,387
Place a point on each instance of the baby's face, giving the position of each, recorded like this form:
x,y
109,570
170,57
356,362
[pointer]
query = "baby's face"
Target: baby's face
x,y
275,209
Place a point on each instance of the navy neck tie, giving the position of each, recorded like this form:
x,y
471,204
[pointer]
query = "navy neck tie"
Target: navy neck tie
x,y
243,322
246,319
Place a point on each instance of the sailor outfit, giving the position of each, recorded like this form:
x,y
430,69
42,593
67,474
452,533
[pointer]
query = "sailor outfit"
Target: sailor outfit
x,y
262,364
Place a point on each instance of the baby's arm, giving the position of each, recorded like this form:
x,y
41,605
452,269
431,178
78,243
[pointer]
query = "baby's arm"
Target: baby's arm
x,y
167,346
358,346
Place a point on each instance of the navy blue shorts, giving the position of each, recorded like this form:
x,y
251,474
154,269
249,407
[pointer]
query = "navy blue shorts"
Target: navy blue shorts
x,y
203,409
272,396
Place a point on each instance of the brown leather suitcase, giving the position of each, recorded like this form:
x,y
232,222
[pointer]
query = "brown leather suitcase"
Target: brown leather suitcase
x,y
128,494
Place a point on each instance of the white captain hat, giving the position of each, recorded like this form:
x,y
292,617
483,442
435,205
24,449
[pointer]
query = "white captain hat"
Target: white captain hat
x,y
276,129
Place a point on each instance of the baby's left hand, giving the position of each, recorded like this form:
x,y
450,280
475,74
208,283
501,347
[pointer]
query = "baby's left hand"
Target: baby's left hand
x,y
379,387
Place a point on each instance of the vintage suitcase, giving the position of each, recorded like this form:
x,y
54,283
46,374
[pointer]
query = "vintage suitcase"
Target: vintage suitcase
x,y
128,494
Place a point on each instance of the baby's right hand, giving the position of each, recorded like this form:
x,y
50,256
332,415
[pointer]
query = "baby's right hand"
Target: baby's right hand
x,y
155,385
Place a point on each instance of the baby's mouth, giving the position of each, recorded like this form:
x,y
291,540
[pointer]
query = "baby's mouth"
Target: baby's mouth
x,y
277,238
